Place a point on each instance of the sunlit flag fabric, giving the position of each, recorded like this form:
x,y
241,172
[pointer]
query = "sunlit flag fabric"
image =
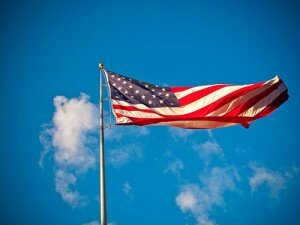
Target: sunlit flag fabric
x,y
201,107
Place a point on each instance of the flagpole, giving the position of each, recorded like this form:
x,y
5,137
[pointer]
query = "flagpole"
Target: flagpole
x,y
103,220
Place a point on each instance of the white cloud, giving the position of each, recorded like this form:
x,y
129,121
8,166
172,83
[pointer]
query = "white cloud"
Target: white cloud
x,y
175,164
127,189
120,132
70,139
199,200
178,133
111,223
120,156
208,150
183,134
95,222
186,200
296,169
210,133
63,180
73,120
274,180
45,139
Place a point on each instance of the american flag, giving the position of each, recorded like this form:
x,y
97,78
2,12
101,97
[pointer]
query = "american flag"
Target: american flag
x,y
201,107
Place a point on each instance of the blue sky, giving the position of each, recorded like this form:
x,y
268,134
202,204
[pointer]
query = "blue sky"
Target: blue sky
x,y
155,175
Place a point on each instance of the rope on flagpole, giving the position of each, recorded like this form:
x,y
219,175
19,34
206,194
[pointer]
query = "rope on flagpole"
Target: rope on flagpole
x,y
109,97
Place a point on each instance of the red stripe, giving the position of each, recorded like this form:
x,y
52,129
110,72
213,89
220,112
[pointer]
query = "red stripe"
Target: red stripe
x,y
251,102
200,94
179,89
145,121
118,115
273,105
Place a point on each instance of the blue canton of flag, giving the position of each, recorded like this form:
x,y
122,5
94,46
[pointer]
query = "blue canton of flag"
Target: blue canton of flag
x,y
138,92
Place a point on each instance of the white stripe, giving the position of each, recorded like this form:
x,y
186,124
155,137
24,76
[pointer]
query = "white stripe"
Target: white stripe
x,y
123,120
196,124
184,93
137,114
263,103
123,103
229,106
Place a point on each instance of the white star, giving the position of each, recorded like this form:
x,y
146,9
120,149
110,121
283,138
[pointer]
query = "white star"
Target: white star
x,y
146,86
159,93
119,88
112,75
132,96
117,96
154,96
119,79
163,89
161,101
143,96
167,95
172,104
126,92
124,82
114,84
150,102
152,90
137,91
130,86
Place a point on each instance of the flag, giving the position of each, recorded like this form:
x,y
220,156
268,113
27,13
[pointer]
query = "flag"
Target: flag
x,y
201,107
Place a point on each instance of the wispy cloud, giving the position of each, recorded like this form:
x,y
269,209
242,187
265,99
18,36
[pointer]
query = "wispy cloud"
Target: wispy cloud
x,y
296,169
95,222
120,156
63,180
127,188
178,133
120,132
210,133
175,165
198,199
208,150
70,139
274,180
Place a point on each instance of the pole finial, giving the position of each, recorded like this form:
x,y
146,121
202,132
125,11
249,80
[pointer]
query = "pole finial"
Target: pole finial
x,y
101,66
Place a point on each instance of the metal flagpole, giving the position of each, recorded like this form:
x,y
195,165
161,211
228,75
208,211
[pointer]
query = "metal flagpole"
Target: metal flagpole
x,y
103,220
